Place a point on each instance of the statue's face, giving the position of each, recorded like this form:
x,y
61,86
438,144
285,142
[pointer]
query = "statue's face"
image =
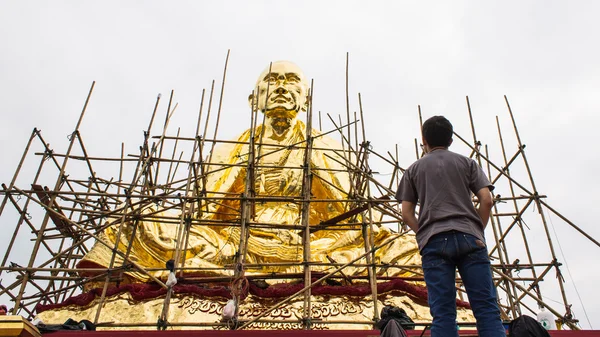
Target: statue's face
x,y
282,91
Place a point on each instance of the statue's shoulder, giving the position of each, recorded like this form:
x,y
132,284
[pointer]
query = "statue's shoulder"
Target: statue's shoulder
x,y
325,140
229,151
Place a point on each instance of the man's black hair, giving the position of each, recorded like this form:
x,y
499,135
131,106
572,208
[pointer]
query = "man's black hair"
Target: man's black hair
x,y
437,131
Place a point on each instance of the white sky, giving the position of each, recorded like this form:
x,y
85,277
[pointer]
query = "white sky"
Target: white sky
x,y
544,55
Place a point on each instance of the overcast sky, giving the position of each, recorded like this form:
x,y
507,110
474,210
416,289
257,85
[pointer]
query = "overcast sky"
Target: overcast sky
x,y
544,55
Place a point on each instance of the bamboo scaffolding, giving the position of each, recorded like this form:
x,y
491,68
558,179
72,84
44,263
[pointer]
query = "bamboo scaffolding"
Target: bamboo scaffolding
x,y
89,205
46,217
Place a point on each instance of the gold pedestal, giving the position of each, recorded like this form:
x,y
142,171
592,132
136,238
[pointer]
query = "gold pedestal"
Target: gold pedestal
x,y
17,326
193,312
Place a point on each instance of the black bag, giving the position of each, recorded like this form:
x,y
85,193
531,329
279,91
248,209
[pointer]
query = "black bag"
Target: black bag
x,y
393,329
526,326
397,314
70,324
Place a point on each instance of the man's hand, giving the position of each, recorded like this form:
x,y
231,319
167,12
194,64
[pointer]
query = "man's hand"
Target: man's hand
x,y
408,215
485,205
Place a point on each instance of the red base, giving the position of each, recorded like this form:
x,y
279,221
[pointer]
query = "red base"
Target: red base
x,y
285,333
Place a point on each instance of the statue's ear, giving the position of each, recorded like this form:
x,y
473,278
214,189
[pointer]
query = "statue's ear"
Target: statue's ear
x,y
252,101
306,103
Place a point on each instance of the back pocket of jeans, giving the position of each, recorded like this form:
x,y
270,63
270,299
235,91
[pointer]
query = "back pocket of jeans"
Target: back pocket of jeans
x,y
434,252
477,248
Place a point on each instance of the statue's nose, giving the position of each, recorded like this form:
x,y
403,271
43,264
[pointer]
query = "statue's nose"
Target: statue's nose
x,y
281,89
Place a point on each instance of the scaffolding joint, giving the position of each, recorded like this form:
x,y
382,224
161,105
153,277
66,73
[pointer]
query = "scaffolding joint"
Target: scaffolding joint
x,y
307,322
559,274
48,153
497,199
63,178
72,135
516,264
161,324
127,193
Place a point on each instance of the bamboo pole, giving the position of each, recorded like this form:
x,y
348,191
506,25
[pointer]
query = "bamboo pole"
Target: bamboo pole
x,y
368,230
18,170
245,216
196,191
476,143
348,99
212,148
161,142
166,187
305,211
120,171
587,236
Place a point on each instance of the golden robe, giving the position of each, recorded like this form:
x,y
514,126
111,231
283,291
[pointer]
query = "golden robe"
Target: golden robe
x,y
214,238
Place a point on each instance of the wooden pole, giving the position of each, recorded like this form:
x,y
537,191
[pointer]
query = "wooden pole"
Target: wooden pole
x,y
305,213
368,228
14,178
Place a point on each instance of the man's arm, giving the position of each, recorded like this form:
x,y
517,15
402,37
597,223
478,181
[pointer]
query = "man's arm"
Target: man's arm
x,y
408,215
485,205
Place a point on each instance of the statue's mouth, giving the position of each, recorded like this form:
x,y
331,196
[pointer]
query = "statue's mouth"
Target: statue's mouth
x,y
280,99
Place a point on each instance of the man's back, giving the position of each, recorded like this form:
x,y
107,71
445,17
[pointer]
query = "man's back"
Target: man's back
x,y
442,181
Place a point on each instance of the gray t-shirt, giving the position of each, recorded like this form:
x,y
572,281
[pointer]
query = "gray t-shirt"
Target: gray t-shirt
x,y
442,181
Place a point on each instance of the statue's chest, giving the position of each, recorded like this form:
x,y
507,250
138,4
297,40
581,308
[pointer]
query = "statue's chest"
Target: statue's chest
x,y
279,172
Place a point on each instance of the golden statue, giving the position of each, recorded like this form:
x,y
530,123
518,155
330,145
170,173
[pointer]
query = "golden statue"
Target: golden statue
x,y
272,194
281,95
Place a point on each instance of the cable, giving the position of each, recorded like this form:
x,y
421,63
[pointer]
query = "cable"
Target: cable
x,y
568,270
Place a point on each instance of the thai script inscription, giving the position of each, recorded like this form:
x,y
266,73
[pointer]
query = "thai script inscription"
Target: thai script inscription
x,y
192,305
246,312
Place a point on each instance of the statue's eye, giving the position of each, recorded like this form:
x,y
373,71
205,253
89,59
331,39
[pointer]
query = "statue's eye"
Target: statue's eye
x,y
271,78
293,78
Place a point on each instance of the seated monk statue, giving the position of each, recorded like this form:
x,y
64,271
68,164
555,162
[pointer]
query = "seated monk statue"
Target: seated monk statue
x,y
276,184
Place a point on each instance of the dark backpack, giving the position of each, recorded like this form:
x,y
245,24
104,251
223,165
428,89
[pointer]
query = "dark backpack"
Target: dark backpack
x,y
393,329
389,313
526,326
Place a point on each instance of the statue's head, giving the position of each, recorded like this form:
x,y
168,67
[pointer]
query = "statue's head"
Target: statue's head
x,y
282,91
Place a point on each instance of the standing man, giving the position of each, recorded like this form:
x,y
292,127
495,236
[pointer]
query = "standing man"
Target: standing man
x,y
450,230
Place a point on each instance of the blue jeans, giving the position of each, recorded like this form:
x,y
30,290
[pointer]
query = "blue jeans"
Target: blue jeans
x,y
445,252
